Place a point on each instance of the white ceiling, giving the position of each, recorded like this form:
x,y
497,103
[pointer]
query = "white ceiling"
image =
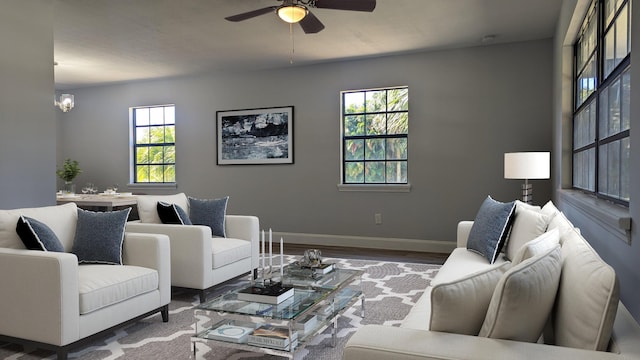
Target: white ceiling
x,y
108,41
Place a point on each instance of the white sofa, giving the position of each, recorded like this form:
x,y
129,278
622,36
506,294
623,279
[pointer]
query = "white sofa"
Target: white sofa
x,y
580,322
50,301
198,260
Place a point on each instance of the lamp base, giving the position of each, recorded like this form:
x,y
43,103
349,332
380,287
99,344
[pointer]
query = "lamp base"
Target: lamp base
x,y
527,193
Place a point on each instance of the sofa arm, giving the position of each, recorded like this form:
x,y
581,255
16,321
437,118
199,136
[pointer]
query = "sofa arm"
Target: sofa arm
x,y
190,250
246,228
39,298
151,251
379,342
464,227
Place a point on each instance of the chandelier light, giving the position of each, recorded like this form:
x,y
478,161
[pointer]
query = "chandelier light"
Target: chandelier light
x,y
292,13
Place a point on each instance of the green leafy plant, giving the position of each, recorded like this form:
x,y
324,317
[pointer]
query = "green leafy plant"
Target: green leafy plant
x,y
70,169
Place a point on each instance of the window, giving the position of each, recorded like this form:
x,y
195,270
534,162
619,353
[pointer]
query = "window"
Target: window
x,y
375,128
601,120
154,149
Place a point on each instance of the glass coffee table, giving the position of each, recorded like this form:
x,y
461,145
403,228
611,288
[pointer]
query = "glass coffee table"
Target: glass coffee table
x,y
317,303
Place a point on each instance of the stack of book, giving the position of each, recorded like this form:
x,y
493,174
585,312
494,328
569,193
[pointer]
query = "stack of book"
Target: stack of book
x,y
320,269
273,294
231,333
273,337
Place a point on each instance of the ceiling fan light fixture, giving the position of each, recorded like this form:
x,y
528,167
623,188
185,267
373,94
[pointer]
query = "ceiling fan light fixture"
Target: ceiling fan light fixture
x,y
292,13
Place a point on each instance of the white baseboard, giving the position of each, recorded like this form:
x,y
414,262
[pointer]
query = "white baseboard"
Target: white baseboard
x,y
433,246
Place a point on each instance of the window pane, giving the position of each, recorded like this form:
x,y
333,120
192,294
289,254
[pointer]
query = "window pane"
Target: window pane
x,y
374,172
354,150
621,35
375,149
398,100
142,116
156,134
156,116
398,123
587,82
614,108
142,155
169,115
354,125
354,103
155,155
142,173
396,171
142,135
354,172
397,149
376,124
609,52
584,127
626,100
170,154
625,145
376,101
156,173
584,170
169,173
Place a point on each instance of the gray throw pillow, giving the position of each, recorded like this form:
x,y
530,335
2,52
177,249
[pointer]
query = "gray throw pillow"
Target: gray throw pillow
x,y
172,214
37,235
210,213
99,236
490,228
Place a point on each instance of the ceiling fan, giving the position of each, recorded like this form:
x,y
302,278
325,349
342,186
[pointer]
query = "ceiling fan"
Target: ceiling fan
x,y
297,11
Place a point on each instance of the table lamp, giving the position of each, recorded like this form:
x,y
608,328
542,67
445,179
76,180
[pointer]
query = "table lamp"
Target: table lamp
x,y
526,165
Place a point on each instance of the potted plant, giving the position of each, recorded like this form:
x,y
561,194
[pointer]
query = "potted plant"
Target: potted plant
x,y
70,169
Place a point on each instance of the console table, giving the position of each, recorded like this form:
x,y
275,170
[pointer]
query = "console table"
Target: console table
x,y
107,202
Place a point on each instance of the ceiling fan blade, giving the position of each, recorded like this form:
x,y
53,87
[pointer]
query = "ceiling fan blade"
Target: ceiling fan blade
x,y
310,24
251,14
355,5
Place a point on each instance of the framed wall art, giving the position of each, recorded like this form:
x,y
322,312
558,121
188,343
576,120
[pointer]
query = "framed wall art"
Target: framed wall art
x,y
255,136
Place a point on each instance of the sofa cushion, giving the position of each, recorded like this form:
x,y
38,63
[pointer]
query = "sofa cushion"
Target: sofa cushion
x,y
560,222
210,213
537,246
104,285
527,225
37,236
147,206
172,214
523,299
490,228
587,297
460,306
228,250
61,219
461,263
99,236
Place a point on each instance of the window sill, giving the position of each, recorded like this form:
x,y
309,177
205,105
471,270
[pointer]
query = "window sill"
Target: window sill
x,y
375,187
140,186
614,218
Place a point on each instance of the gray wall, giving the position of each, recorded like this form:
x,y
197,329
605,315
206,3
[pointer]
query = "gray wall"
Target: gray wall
x,y
27,115
621,256
467,107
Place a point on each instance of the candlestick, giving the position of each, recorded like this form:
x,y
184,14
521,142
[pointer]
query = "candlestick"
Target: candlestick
x,y
262,254
281,260
270,250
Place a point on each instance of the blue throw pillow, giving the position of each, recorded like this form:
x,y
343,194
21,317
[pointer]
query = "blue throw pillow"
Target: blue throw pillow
x,y
210,213
172,214
490,228
99,236
37,235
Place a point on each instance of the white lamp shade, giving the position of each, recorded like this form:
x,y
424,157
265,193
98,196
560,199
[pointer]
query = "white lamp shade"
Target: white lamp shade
x,y
527,165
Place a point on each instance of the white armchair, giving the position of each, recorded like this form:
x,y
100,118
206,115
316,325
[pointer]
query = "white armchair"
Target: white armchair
x,y
198,260
42,297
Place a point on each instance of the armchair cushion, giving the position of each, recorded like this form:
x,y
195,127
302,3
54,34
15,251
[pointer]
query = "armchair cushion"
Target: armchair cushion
x,y
104,285
37,236
210,213
491,228
172,214
99,236
227,251
523,299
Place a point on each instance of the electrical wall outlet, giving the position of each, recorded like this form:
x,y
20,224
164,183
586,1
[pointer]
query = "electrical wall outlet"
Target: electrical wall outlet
x,y
378,218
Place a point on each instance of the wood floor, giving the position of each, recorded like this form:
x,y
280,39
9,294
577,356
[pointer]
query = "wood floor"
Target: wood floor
x,y
369,254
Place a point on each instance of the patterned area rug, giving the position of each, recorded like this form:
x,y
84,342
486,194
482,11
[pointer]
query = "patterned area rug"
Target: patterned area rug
x,y
390,290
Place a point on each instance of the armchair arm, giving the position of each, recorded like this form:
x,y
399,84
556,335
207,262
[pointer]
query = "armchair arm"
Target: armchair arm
x,y
378,342
246,228
39,299
150,251
190,250
464,227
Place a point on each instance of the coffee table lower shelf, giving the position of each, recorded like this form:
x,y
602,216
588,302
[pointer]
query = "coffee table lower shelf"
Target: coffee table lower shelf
x,y
324,321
